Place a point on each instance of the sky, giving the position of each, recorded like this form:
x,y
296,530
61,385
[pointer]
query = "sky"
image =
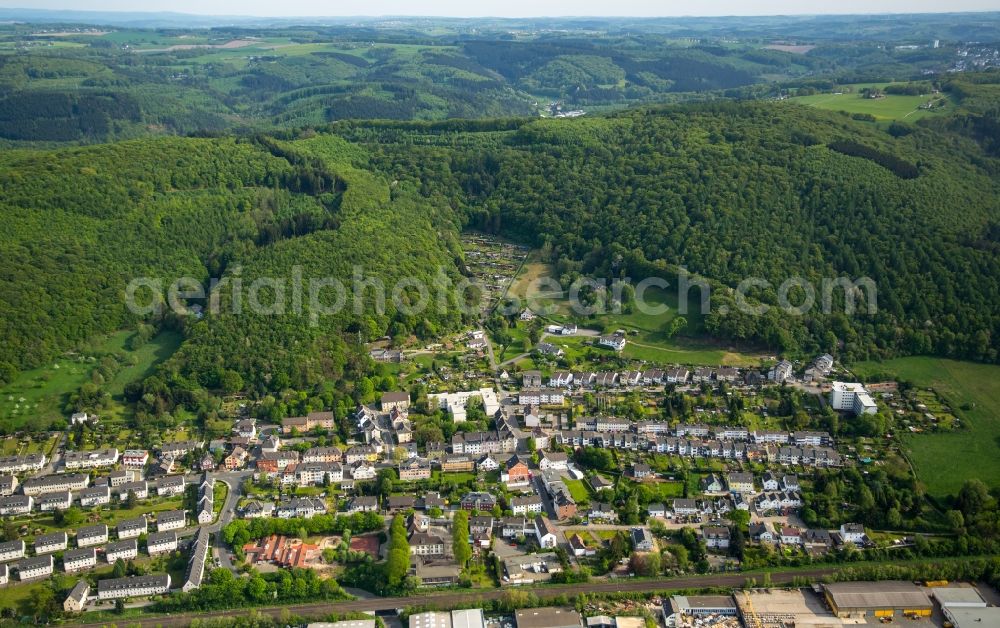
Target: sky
x,y
509,8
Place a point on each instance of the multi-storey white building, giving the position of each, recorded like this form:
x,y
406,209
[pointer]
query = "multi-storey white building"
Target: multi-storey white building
x,y
89,536
852,397
124,550
96,459
161,543
78,559
38,567
134,586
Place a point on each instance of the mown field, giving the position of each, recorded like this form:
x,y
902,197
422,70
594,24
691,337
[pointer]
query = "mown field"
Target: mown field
x,y
891,107
944,460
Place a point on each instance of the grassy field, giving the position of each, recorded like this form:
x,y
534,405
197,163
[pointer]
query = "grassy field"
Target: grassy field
x,y
38,397
891,107
944,460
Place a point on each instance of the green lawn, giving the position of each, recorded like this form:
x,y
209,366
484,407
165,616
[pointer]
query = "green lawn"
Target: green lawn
x,y
944,460
578,490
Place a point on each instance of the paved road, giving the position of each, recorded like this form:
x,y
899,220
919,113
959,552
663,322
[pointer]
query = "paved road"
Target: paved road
x,y
447,599
234,480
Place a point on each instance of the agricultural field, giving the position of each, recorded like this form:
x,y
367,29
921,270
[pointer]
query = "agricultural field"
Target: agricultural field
x,y
885,109
944,460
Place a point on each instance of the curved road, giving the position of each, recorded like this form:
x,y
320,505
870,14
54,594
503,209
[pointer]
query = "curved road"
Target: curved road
x,y
450,598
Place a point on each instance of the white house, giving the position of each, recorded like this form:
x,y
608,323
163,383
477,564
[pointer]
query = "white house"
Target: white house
x,y
545,532
11,550
78,559
133,586
161,543
124,550
614,341
132,528
38,567
852,533
553,460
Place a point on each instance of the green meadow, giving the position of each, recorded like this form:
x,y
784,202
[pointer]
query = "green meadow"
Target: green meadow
x,y
38,397
944,460
891,107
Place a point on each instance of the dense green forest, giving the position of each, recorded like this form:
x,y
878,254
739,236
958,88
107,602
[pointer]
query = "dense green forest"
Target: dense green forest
x,y
80,224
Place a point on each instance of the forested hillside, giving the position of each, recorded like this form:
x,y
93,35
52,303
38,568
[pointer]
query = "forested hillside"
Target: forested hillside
x,y
734,191
80,224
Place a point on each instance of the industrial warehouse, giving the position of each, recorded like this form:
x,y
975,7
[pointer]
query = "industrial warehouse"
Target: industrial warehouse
x,y
877,599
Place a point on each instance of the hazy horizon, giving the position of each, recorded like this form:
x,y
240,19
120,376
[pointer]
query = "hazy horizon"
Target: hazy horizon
x,y
505,8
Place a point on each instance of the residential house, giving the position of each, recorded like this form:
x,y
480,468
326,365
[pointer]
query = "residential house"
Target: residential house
x,y
478,501
642,539
121,550
640,470
716,537
601,512
133,586
790,536
425,544
50,501
11,550
246,428
135,458
169,486
363,503
526,505
780,372
531,379
852,533
161,543
48,543
415,469
75,460
56,483
76,601
395,400
545,532
236,459
170,520
614,341
79,559
656,510
95,496
132,528
88,536
31,568
740,482
308,423
686,507
760,532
